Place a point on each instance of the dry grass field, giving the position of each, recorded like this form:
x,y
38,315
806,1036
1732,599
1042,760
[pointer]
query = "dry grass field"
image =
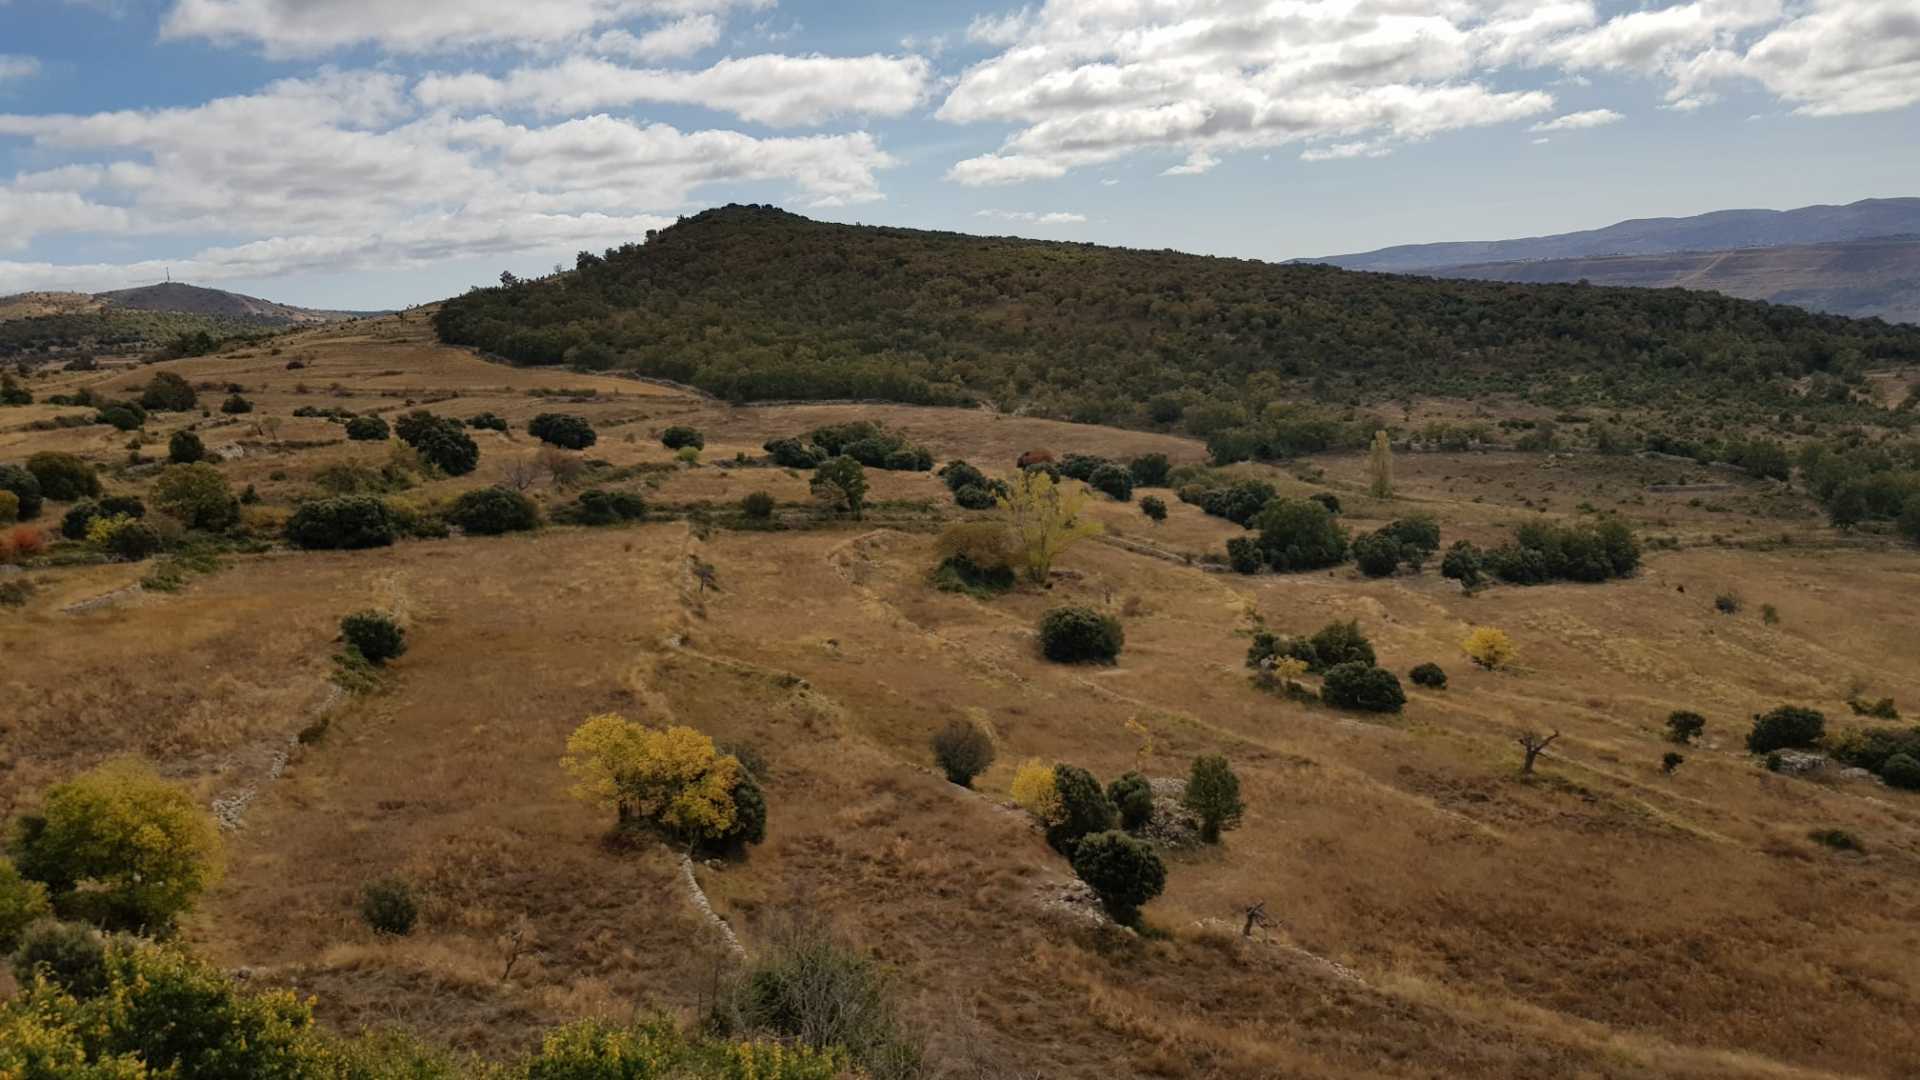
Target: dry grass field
x,y
1434,913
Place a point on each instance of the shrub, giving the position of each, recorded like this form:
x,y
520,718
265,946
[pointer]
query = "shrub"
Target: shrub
x,y
9,508
1080,635
674,781
1360,686
842,484
167,392
144,847
368,429
387,907
441,442
1155,508
1837,839
597,507
757,505
349,522
1339,643
236,405
1683,727
794,453
12,393
1870,748
959,474
1377,554
687,455
820,995
1727,603
1465,564
375,634
185,448
1132,799
121,416
1418,536
1267,646
491,511
63,477
973,497
565,430
71,956
1113,480
1785,728
963,751
1671,761
1430,676
198,496
486,421
1299,534
22,903
1149,470
1240,503
1083,808
1245,556
1902,771
1543,551
1213,794
125,538
21,542
1490,648
1124,872
679,437
1035,792
1327,499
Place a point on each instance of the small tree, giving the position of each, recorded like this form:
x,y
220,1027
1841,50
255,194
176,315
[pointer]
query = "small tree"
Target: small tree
x,y
1080,635
375,634
1380,467
368,429
757,505
1785,728
1150,470
64,477
1113,480
1683,727
1671,761
198,496
1155,508
1430,676
1132,797
492,511
1122,871
350,522
674,780
565,430
680,436
235,405
842,484
22,903
963,751
1213,794
167,392
1531,744
185,448
1035,792
387,907
1083,808
1046,520
1300,534
1490,648
1464,563
1360,686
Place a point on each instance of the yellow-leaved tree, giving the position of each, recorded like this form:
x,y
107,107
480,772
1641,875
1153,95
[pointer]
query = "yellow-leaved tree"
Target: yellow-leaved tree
x,y
1491,649
672,779
1045,519
1034,789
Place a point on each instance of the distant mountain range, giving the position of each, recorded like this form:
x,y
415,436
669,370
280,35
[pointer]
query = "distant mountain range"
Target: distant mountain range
x,y
171,296
1860,259
50,324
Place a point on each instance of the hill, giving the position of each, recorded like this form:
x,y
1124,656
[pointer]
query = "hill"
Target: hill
x,y
53,325
1863,278
1720,230
752,303
197,300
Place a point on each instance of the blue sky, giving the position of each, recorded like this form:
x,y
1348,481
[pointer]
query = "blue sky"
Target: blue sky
x,y
375,153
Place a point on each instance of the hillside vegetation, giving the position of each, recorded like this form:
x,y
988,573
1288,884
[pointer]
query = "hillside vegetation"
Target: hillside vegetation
x,y
154,317
752,303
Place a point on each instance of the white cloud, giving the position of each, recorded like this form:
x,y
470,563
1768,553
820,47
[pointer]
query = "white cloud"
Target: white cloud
x,y
680,38
1030,217
310,27
780,91
1340,151
18,67
1591,118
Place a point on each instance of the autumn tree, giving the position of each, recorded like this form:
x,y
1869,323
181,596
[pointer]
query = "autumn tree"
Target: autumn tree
x,y
673,780
1035,792
1490,648
1046,519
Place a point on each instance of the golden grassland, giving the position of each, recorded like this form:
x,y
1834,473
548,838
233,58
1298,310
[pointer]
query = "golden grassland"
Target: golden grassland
x,y
1435,914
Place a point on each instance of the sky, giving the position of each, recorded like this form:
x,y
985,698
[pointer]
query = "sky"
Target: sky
x,y
372,154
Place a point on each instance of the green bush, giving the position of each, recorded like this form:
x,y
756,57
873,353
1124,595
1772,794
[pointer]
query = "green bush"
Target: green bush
x,y
842,484
387,907
1430,676
167,392
1327,499
1080,635
1339,643
64,477
1544,551
22,903
185,448
24,487
368,428
1083,808
1359,686
1267,645
1785,728
1683,727
958,573
122,416
71,956
9,507
1124,872
679,436
1245,556
487,421
813,991
80,516
598,507
1377,554
1155,508
565,430
1902,771
1114,481
1150,470
349,522
757,505
441,442
962,750
795,453
959,474
749,815
235,405
1213,794
1132,798
1464,563
135,541
492,511
1300,534
375,634
1837,839
197,496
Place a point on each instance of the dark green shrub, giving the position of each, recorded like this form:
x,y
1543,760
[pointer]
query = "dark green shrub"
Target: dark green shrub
x,y
1267,645
1544,551
1132,797
1377,554
794,453
757,505
1084,808
63,477
1150,470
1213,794
1902,771
1244,555
134,541
958,573
236,405
1786,728
1082,466
487,421
1155,508
680,436
959,474
1340,643
22,903
12,393
597,507
1727,603
80,517
24,487
962,750
1430,676
1869,748
842,484
1837,839
72,956
441,442
1683,727
1418,536
197,496
375,634
1239,503
565,430
1124,872
491,511
1300,534
1465,564
121,417
387,907
1080,635
185,448
1358,686
1327,499
348,522
167,392
973,497
368,429
1671,761
1114,481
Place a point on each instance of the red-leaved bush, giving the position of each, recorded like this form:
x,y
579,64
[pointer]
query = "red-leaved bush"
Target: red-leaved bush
x,y
20,542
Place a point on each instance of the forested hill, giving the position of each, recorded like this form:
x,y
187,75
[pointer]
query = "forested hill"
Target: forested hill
x,y
756,303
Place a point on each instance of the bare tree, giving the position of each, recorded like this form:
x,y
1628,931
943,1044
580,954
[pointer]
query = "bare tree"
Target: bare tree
x,y
1256,916
1532,742
565,468
522,473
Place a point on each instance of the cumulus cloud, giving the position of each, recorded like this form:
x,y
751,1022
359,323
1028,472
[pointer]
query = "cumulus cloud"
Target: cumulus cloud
x,y
780,91
1591,118
1031,217
680,38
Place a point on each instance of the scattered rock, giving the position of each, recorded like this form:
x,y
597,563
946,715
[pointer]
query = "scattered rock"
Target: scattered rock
x,y
1801,762
1072,899
1172,824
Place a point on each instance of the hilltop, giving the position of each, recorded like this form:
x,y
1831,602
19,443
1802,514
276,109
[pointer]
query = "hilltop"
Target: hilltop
x,y
54,325
198,300
753,303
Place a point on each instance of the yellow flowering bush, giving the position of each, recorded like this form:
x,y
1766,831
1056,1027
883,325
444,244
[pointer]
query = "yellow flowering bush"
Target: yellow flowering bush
x,y
673,779
1490,648
1034,789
